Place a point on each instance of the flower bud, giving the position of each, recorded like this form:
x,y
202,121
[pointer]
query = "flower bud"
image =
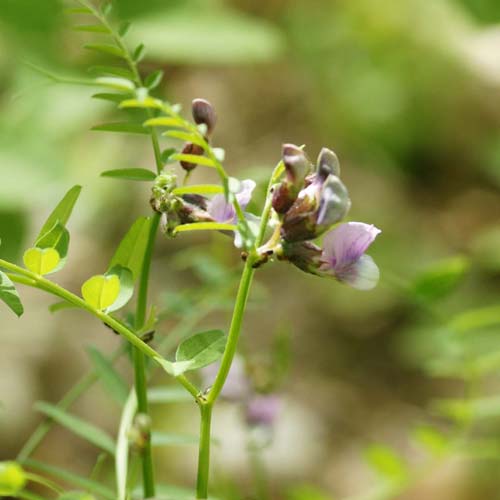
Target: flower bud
x,y
327,164
304,255
283,198
204,112
296,164
191,149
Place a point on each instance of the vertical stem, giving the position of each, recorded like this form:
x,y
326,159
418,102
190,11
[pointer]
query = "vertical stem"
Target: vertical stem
x,y
140,361
204,452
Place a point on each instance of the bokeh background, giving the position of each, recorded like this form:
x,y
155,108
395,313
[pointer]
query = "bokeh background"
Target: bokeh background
x,y
407,94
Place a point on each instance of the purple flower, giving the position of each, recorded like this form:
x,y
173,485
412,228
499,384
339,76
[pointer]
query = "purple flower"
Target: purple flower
x,y
343,255
223,211
262,410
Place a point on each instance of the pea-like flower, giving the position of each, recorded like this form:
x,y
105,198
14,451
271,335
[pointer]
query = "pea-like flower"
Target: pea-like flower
x,y
343,255
323,202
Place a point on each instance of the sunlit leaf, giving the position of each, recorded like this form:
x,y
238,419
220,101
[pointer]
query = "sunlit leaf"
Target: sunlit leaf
x,y
199,160
131,174
101,291
9,295
126,281
146,103
108,376
199,189
57,238
41,260
71,478
185,136
78,426
118,71
121,127
204,226
116,83
131,250
164,121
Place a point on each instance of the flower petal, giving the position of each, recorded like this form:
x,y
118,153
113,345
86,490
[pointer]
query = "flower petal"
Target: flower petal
x,y
220,210
345,244
245,193
362,274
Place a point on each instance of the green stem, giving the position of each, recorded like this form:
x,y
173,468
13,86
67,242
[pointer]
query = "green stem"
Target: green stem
x,y
204,452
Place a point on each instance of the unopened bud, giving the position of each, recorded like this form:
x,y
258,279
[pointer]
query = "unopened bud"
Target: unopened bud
x,y
191,149
283,197
204,112
296,163
327,164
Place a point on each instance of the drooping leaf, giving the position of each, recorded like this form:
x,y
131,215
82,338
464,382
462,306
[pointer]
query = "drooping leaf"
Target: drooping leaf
x,y
110,378
105,48
168,394
131,250
153,79
80,427
12,479
126,281
201,349
9,295
71,478
121,127
41,260
101,291
62,212
199,160
159,438
131,174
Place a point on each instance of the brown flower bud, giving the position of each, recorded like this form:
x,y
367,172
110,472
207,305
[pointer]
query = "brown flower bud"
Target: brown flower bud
x,y
204,112
283,197
191,149
296,163
327,164
304,255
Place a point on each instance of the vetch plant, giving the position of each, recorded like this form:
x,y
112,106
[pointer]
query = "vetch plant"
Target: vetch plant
x,y
304,201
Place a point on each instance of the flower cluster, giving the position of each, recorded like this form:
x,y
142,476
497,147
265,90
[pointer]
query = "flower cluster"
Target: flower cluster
x,y
310,202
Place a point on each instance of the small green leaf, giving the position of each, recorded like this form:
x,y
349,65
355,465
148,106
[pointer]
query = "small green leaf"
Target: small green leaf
x,y
101,291
41,260
186,136
123,28
131,174
121,127
62,212
199,189
131,250
107,96
116,83
12,479
9,295
199,160
71,478
164,121
126,281
58,239
201,349
166,155
153,79
80,427
145,103
92,28
105,48
170,439
168,394
118,71
110,378
139,53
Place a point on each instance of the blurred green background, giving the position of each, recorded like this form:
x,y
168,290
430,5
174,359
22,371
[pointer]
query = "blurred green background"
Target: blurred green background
x,y
407,94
